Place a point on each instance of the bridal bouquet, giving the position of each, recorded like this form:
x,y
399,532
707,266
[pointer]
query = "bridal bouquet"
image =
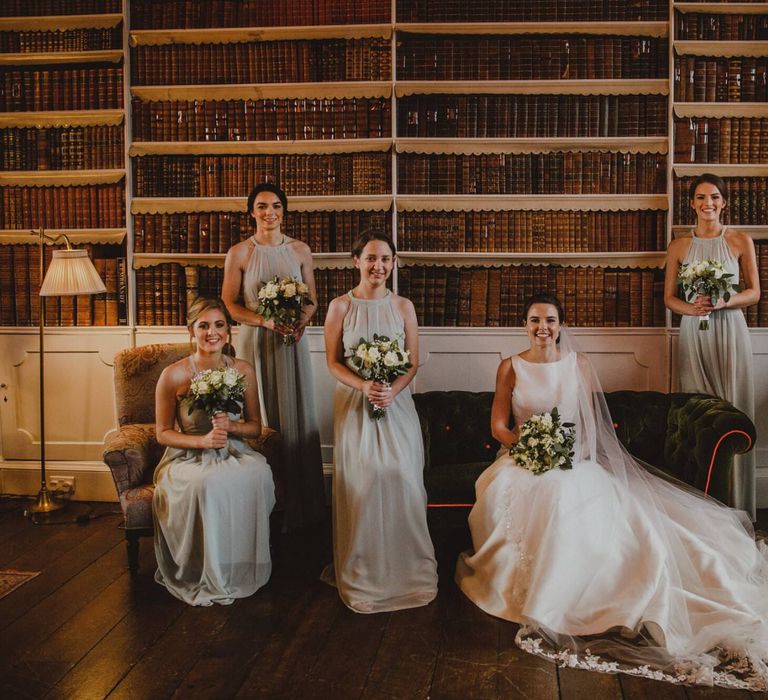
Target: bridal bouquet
x,y
217,390
282,298
380,360
545,443
707,277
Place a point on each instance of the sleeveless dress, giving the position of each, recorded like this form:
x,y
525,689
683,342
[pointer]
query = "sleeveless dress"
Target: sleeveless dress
x,y
211,512
575,556
286,392
383,557
719,361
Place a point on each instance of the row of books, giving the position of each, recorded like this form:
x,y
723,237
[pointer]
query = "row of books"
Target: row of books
x,y
261,120
36,41
526,57
186,14
20,284
707,79
529,10
26,8
695,26
292,61
757,314
511,116
216,232
726,140
532,231
85,206
494,296
589,172
62,148
747,201
233,176
34,90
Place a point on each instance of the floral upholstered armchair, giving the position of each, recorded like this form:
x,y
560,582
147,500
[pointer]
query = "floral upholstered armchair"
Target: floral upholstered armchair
x,y
133,452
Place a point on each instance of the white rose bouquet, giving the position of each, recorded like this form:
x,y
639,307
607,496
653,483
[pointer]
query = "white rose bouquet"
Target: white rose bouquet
x,y
282,298
708,278
380,360
217,390
545,443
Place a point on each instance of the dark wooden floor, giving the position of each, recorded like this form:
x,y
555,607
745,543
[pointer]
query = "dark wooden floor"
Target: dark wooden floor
x,y
84,629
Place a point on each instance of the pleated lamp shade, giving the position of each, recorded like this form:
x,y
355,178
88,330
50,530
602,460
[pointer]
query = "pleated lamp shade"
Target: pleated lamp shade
x,y
71,272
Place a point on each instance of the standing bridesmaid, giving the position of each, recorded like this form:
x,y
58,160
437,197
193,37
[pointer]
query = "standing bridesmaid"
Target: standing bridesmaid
x,y
284,371
383,557
717,361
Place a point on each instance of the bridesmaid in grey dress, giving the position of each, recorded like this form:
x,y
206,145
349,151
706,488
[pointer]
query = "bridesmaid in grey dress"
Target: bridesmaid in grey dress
x,y
717,361
284,371
213,493
383,557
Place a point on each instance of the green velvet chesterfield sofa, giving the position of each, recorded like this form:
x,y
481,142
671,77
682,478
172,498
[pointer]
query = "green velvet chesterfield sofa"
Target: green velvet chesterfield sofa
x,y
692,437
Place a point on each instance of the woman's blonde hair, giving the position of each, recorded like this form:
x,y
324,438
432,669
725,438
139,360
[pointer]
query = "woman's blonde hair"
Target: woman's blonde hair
x,y
202,304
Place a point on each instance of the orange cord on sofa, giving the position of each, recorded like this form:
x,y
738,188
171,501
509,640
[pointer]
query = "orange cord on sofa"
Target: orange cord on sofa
x,y
714,452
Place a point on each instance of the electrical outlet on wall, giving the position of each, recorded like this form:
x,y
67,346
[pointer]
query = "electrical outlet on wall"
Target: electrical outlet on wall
x,y
63,485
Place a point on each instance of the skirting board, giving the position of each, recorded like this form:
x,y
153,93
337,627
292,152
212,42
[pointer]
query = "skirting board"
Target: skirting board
x,y
93,481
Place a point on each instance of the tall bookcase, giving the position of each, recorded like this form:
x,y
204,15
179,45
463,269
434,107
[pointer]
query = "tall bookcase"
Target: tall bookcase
x,y
507,146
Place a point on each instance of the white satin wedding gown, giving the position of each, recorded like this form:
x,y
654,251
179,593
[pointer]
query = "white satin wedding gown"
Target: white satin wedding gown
x,y
608,567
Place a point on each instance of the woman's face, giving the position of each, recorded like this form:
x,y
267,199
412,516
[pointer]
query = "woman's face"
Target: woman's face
x,y
542,325
210,331
267,212
707,202
375,263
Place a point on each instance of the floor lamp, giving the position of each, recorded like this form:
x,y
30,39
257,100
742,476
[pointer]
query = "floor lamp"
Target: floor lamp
x,y
71,272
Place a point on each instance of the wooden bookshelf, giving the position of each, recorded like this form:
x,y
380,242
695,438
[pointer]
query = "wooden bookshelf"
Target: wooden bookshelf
x,y
271,91
53,178
170,205
143,148
540,202
23,59
721,48
720,109
532,87
638,144
63,118
617,259
596,28
59,22
722,8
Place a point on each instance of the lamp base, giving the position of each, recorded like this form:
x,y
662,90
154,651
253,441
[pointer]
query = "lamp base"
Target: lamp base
x,y
45,502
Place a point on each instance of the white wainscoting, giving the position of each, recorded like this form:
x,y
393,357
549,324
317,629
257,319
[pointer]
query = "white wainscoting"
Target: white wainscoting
x,y
80,408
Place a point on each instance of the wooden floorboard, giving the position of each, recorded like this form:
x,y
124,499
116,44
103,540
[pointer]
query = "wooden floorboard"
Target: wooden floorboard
x,y
85,629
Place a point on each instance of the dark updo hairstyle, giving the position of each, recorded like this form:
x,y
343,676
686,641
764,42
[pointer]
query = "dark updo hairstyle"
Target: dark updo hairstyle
x,y
543,298
267,187
370,235
202,304
712,180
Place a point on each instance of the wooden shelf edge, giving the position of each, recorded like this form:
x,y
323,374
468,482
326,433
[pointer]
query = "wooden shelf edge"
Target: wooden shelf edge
x,y
226,35
321,261
721,49
404,88
255,91
561,202
623,144
60,22
54,57
172,205
76,236
44,178
144,148
758,233
63,118
640,260
722,169
722,8
720,109
640,28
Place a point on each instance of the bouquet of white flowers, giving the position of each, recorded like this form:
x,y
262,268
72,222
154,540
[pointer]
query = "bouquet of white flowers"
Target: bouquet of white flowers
x,y
707,277
380,360
217,390
282,298
545,443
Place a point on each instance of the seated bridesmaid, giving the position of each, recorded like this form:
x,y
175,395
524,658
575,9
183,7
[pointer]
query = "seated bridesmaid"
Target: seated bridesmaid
x,y
213,493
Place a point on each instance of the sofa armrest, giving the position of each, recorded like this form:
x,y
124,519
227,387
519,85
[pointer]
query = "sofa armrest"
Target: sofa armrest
x,y
704,434
132,454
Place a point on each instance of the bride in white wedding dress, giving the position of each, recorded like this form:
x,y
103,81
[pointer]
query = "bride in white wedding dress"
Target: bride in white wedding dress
x,y
607,566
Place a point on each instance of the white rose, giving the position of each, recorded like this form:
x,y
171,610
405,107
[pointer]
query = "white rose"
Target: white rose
x,y
532,442
270,290
391,359
362,352
374,354
302,288
289,291
230,377
203,387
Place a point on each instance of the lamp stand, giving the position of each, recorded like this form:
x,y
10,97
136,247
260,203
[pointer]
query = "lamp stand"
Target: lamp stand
x,y
45,503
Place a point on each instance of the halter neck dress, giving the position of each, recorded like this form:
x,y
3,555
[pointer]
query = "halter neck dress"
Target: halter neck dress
x,y
718,361
286,391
